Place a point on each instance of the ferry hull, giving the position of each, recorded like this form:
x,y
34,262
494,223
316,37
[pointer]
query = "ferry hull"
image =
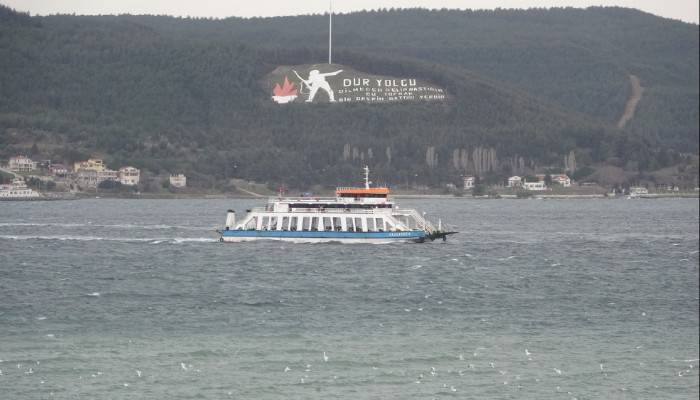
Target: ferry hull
x,y
324,237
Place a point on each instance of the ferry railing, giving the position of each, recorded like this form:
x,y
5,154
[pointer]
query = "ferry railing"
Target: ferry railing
x,y
380,211
301,199
313,200
421,221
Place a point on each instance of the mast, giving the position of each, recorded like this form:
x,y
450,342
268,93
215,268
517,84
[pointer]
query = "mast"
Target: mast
x,y
367,182
330,33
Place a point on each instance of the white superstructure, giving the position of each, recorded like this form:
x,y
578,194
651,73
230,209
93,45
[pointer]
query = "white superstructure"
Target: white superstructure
x,y
354,215
18,190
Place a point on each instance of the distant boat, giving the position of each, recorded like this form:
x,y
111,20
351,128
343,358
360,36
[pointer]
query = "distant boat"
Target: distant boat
x,y
356,215
18,190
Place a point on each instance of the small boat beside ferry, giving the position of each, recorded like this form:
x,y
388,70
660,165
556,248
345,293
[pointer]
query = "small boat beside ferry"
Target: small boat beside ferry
x,y
355,215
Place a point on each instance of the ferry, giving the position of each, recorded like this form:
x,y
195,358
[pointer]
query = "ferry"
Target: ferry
x,y
18,190
355,215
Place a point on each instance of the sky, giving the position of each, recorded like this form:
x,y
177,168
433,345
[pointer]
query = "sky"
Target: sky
x,y
685,10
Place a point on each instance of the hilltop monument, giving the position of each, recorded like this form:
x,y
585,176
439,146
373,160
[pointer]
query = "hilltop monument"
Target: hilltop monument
x,y
317,81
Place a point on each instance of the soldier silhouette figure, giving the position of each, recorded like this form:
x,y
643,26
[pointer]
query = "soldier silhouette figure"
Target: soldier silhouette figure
x,y
317,81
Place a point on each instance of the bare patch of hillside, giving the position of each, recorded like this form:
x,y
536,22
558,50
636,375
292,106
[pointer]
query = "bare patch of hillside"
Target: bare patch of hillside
x,y
632,102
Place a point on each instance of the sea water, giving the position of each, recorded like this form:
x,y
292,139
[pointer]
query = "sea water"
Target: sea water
x,y
555,299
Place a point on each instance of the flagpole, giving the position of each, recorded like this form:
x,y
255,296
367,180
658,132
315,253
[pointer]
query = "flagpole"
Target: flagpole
x,y
330,33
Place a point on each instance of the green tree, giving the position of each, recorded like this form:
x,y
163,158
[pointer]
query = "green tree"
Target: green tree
x,y
479,190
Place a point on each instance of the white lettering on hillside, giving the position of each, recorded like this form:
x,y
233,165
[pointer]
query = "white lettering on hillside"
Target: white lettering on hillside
x,y
384,90
342,86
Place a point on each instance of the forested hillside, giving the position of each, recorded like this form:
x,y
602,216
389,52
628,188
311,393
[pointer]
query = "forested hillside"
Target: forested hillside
x,y
527,88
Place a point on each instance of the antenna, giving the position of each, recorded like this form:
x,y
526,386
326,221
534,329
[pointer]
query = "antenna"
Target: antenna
x,y
330,33
367,182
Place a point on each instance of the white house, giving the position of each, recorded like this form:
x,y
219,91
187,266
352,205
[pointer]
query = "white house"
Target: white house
x,y
468,182
178,181
129,176
89,178
515,181
108,175
21,164
637,190
534,186
562,180
58,170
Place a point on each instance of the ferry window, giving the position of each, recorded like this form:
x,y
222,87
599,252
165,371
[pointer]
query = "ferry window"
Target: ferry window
x,y
314,223
265,222
306,223
337,223
370,225
273,223
285,223
350,227
380,224
252,224
327,224
389,226
294,223
358,224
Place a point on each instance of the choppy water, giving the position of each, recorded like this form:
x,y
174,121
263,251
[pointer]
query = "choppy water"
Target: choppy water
x,y
126,299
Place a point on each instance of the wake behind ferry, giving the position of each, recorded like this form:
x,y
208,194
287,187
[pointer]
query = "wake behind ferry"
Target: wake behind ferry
x,y
356,215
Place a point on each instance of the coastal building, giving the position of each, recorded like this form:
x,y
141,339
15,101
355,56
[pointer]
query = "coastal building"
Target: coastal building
x,y
469,182
129,176
88,178
637,190
21,164
534,186
93,164
108,175
561,179
58,170
515,181
178,181
43,164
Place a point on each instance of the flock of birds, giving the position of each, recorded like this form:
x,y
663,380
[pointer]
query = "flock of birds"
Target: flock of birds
x,y
433,372
426,376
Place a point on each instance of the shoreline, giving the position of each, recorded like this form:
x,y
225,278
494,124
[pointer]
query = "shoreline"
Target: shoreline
x,y
220,196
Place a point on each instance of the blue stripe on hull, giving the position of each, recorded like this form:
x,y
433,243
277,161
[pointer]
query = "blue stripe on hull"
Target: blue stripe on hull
x,y
418,235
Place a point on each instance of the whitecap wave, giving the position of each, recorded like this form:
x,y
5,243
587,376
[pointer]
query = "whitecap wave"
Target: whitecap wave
x,y
112,226
185,240
175,240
